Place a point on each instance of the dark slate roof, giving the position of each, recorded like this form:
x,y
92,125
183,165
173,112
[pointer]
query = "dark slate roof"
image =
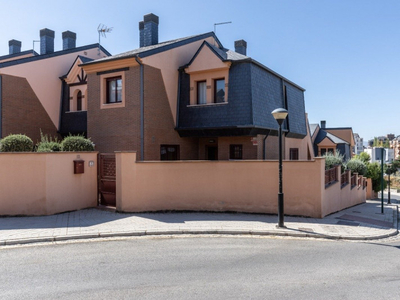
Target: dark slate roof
x,y
54,54
229,55
313,127
323,134
8,56
160,47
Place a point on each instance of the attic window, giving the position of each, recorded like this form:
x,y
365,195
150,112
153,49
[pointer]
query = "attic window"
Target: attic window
x,y
219,90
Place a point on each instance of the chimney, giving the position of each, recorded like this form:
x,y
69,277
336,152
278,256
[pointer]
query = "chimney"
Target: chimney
x,y
149,33
241,47
69,40
323,124
141,33
46,41
14,46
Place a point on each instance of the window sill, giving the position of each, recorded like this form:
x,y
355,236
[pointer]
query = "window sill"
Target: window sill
x,y
207,104
75,111
112,105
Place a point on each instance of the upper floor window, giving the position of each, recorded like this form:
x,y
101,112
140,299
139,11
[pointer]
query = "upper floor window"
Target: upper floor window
x,y
219,90
114,90
169,152
79,101
201,92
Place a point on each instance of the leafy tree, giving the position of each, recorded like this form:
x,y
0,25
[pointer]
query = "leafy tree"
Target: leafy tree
x,y
364,157
374,172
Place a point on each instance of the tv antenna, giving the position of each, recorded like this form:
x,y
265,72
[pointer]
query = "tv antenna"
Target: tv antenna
x,y
102,30
222,23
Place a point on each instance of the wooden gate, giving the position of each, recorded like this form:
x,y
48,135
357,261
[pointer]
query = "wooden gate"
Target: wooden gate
x,y
107,178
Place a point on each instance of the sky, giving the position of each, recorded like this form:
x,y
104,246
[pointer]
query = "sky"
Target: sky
x,y
344,53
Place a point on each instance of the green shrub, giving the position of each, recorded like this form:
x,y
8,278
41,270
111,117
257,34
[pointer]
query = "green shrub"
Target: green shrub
x,y
77,143
356,165
16,143
47,144
332,160
374,172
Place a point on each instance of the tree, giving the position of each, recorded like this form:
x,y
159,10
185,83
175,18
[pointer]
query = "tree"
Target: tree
x,y
374,172
364,157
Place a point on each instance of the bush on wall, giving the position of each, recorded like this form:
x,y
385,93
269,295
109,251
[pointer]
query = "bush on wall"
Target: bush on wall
x,y
332,160
47,144
77,143
16,143
356,165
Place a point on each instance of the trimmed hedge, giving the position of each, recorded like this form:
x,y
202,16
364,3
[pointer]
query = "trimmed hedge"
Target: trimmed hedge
x,y
16,143
77,143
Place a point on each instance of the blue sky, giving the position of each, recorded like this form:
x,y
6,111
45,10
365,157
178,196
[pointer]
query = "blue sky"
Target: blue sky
x,y
345,53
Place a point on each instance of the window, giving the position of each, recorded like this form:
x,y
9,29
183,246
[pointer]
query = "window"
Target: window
x,y
235,152
294,153
79,101
201,92
169,152
114,90
219,90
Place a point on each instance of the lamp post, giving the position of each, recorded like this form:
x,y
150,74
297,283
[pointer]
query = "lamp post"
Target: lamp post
x,y
280,115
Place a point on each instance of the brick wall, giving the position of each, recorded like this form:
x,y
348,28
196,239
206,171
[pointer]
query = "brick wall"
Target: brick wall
x,y
22,112
159,126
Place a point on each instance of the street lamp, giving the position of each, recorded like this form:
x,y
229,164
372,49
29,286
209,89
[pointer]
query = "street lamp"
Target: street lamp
x,y
280,115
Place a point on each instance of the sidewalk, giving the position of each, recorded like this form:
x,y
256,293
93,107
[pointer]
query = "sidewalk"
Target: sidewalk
x,y
361,222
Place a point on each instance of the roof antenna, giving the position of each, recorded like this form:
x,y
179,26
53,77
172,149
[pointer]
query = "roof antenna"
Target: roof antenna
x,y
215,27
102,30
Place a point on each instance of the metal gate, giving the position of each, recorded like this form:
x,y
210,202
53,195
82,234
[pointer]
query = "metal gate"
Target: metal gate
x,y
107,178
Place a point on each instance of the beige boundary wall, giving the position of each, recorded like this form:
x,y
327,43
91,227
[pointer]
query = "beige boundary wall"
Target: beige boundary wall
x,y
244,186
45,183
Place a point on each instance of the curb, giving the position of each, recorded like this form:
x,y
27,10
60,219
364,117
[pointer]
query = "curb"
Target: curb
x,y
193,232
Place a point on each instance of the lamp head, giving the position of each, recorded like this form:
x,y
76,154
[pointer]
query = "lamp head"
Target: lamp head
x,y
280,115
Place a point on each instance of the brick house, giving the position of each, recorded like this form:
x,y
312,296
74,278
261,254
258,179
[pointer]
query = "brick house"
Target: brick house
x,y
190,99
31,85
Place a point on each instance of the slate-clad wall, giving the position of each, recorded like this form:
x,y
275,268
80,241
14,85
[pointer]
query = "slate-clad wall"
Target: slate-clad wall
x,y
253,94
236,112
296,108
71,122
267,95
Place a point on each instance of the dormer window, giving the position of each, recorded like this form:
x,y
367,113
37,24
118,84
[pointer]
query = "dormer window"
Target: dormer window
x,y
79,101
201,92
219,90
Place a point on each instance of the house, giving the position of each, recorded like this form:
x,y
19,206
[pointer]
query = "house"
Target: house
x,y
359,144
332,140
34,87
190,99
376,154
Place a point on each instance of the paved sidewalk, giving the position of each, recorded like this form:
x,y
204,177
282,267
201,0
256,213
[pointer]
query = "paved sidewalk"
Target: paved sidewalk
x,y
361,222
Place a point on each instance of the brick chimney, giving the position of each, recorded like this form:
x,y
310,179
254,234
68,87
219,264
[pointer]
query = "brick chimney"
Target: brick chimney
x,y
46,41
69,40
241,47
148,30
14,46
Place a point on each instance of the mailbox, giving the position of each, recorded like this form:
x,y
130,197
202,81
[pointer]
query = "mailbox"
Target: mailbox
x,y
79,166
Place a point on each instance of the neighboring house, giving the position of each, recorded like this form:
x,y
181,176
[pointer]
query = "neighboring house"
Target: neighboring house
x,y
395,145
359,144
33,86
376,154
191,98
332,140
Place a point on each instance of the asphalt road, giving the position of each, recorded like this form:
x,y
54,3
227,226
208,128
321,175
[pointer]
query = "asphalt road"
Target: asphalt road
x,y
202,268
